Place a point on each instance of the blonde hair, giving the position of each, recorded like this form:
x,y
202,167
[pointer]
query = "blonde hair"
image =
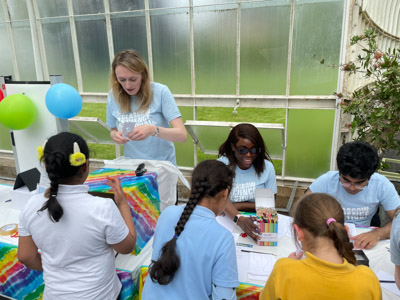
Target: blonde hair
x,y
313,211
131,60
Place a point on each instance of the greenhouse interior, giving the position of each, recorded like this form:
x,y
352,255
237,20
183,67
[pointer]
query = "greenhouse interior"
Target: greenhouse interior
x,y
309,75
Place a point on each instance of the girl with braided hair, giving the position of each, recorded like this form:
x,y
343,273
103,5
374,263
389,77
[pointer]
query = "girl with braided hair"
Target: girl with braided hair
x,y
193,255
329,269
76,233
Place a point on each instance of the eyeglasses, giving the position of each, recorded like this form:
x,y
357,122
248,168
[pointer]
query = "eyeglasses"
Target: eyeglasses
x,y
244,151
348,184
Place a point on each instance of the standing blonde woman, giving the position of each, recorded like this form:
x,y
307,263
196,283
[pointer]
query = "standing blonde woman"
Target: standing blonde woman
x,y
143,115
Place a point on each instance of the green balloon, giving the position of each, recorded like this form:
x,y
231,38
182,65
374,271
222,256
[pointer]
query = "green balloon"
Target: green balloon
x,y
17,112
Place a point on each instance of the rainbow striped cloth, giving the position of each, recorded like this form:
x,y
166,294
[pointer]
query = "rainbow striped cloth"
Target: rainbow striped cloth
x,y
245,291
20,282
142,196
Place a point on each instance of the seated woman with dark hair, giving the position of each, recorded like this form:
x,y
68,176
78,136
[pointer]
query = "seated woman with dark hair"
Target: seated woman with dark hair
x,y
245,153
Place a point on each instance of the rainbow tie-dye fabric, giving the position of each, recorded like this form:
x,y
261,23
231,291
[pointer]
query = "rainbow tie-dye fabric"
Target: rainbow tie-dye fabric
x,y
142,196
18,281
22,283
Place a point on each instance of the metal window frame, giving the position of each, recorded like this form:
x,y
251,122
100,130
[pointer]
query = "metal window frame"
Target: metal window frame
x,y
192,100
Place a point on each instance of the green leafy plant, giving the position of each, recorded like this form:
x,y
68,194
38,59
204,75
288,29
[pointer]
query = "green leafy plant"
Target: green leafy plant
x,y
375,107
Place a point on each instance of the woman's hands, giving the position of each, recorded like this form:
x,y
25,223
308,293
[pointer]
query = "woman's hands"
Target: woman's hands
x,y
248,227
117,137
142,132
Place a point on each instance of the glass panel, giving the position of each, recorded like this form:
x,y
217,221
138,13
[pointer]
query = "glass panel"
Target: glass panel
x,y
2,18
6,66
5,138
100,133
208,2
59,54
53,8
126,5
263,53
17,10
309,142
185,151
168,3
317,31
171,57
215,51
88,7
93,54
134,38
24,50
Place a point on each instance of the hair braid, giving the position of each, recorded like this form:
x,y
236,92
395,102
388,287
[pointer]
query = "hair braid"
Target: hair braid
x,y
209,178
56,153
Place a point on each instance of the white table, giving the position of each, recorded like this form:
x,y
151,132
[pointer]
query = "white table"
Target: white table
x,y
379,256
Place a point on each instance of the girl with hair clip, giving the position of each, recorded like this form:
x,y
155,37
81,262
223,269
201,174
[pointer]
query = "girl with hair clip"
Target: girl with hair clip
x,y
76,233
245,153
194,257
140,112
329,269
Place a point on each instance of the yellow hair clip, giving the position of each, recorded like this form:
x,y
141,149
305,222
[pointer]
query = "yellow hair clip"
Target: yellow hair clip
x,y
40,150
77,158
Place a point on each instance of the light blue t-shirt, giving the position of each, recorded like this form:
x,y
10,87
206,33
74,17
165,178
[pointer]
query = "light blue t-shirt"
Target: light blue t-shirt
x,y
161,111
207,256
246,181
361,207
395,241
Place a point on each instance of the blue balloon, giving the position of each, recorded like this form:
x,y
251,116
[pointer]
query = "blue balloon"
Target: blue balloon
x,y
63,101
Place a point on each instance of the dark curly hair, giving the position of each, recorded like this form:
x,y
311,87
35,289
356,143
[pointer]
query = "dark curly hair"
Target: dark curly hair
x,y
357,159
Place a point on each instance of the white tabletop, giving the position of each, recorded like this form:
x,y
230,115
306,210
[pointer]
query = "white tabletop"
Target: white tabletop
x,y
379,256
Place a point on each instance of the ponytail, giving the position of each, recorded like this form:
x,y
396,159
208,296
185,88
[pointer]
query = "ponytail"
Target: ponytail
x,y
209,178
322,216
338,234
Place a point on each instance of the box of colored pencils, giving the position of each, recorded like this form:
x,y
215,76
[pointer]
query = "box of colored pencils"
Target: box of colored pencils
x,y
267,217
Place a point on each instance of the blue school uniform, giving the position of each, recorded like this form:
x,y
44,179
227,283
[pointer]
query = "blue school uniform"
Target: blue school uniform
x,y
246,181
361,207
207,256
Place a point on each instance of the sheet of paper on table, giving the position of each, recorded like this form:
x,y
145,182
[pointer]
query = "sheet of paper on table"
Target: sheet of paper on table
x,y
382,275
5,192
226,222
352,229
285,225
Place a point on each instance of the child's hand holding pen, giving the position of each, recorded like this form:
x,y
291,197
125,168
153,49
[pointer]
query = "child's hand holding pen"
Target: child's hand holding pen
x,y
248,226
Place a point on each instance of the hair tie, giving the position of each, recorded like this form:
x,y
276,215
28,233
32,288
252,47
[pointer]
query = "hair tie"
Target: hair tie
x,y
53,195
77,158
40,150
329,221
175,236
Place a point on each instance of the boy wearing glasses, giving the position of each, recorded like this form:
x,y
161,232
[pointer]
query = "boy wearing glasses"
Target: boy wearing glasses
x,y
360,190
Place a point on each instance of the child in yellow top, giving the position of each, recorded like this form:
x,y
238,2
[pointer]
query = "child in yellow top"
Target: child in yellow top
x,y
329,269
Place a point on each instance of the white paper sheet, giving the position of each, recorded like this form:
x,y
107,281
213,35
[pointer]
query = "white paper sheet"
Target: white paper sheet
x,y
382,275
260,266
284,225
226,222
352,229
242,259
